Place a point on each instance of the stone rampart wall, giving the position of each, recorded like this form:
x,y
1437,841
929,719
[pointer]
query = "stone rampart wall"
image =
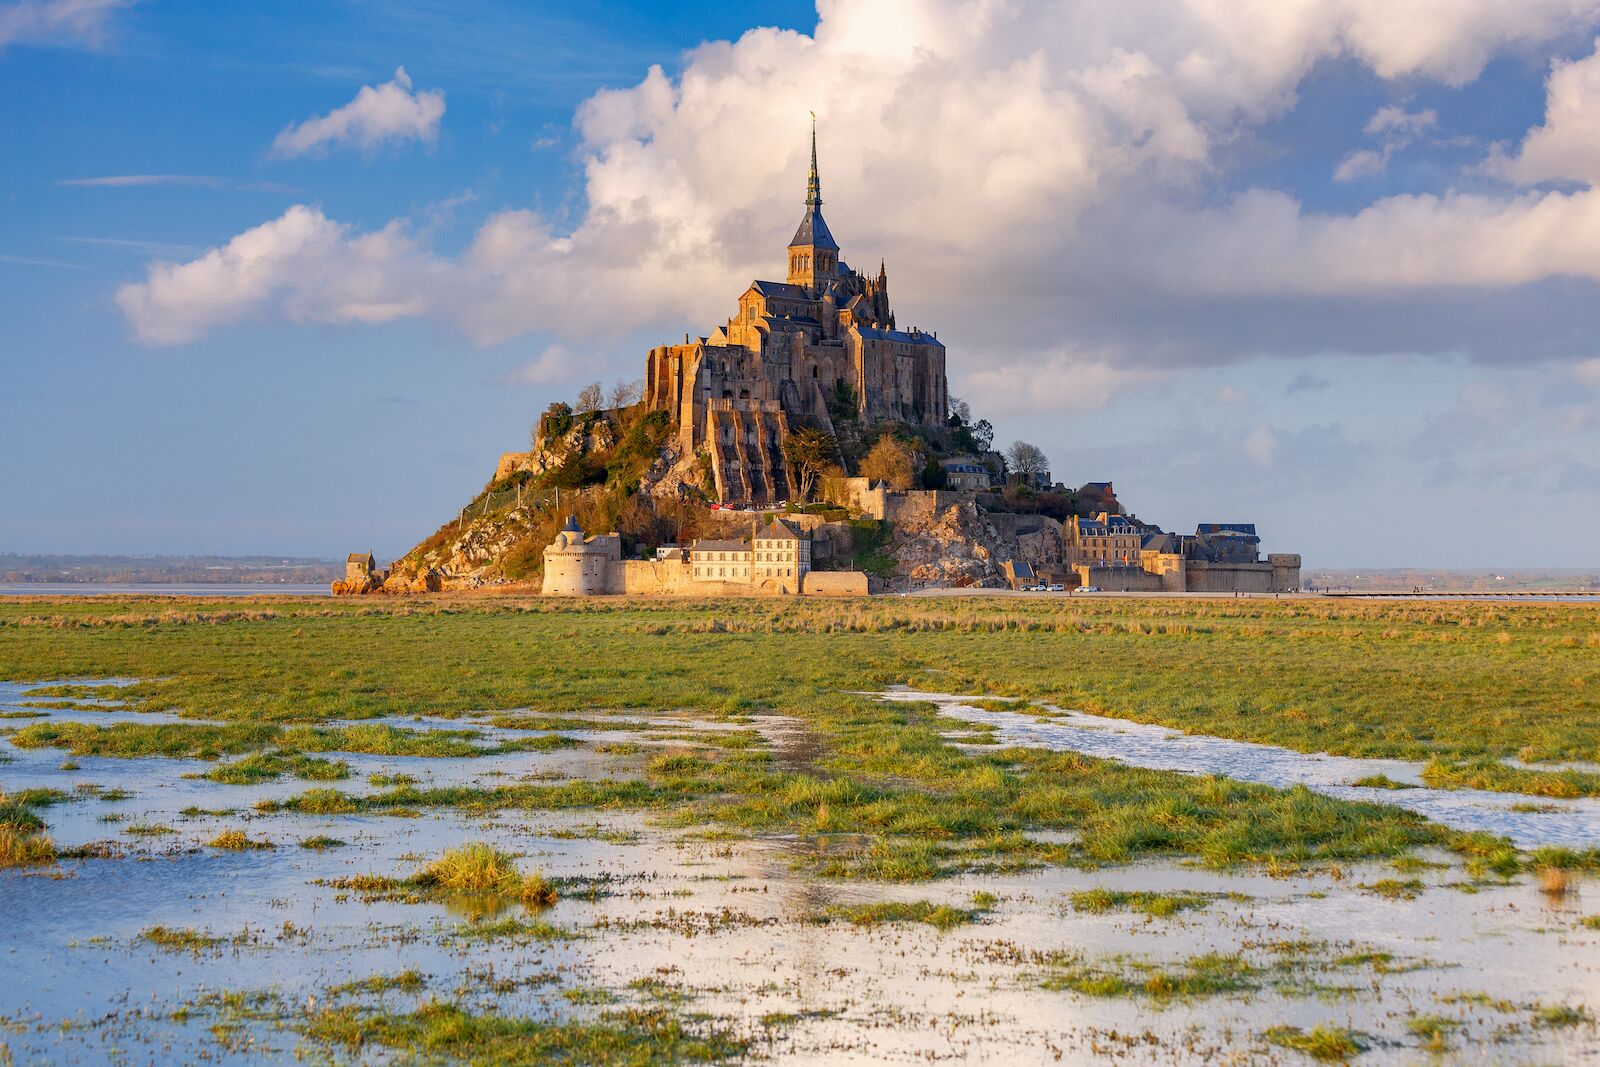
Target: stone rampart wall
x,y
1204,577
836,583
1117,579
649,577
919,507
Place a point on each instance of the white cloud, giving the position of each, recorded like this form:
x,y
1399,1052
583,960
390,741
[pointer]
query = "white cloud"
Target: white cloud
x,y
1051,383
1231,396
1588,372
1363,163
82,22
555,364
1026,166
302,266
1567,146
380,114
1392,121
130,181
1261,445
1264,244
1396,129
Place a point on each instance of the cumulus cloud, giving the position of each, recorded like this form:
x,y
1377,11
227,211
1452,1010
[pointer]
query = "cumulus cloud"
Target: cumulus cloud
x,y
380,114
1567,146
81,22
1033,168
302,266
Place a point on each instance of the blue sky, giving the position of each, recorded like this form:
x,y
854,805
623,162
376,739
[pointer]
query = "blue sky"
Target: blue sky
x,y
1334,274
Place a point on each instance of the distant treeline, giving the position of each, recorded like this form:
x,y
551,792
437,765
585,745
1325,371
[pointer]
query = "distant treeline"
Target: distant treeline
x,y
1405,579
183,570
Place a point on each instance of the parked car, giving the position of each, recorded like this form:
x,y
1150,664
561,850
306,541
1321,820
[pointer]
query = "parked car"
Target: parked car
x,y
1057,587
1090,589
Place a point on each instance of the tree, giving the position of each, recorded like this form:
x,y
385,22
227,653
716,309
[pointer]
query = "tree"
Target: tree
x,y
1027,460
890,461
960,412
626,394
808,452
983,435
590,398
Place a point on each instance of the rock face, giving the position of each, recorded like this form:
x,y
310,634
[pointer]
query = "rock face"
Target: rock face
x,y
467,557
553,452
957,547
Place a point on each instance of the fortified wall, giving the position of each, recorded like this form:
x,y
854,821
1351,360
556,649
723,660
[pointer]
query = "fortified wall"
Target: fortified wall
x,y
579,565
876,500
1174,574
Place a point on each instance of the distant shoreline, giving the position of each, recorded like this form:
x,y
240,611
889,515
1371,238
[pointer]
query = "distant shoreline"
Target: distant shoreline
x,y
287,591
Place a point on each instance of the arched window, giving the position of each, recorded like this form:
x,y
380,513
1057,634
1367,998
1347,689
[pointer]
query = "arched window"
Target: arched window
x,y
813,370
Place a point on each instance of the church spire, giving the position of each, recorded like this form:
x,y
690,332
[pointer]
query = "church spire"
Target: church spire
x,y
813,254
814,184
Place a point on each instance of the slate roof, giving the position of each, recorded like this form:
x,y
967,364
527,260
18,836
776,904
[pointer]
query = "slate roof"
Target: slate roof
x,y
1245,529
778,531
782,290
791,320
358,557
572,525
902,336
724,545
814,231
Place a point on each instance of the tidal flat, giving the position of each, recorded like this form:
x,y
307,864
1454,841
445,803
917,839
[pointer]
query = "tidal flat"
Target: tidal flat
x,y
500,831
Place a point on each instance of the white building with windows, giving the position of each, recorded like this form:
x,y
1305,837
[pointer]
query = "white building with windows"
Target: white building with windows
x,y
777,556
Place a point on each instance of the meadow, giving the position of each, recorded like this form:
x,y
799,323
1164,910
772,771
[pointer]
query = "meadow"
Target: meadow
x,y
750,724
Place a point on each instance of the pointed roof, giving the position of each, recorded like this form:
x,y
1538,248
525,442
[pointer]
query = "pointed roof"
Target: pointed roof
x,y
813,183
813,231
779,531
572,525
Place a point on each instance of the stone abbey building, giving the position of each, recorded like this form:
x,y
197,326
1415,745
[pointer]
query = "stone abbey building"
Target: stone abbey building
x,y
826,332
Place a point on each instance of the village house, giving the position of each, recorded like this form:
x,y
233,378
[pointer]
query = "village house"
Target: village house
x,y
777,553
1104,538
966,473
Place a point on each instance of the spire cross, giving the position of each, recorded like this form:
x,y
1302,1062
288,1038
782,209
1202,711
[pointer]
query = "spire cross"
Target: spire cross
x,y
814,184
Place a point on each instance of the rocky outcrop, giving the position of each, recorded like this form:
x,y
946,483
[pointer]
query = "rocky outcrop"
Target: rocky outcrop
x,y
582,437
389,583
956,547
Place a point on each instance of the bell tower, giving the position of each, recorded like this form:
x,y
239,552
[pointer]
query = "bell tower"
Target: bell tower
x,y
813,254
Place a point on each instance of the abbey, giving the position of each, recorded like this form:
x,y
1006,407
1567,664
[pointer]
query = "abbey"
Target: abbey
x,y
826,333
